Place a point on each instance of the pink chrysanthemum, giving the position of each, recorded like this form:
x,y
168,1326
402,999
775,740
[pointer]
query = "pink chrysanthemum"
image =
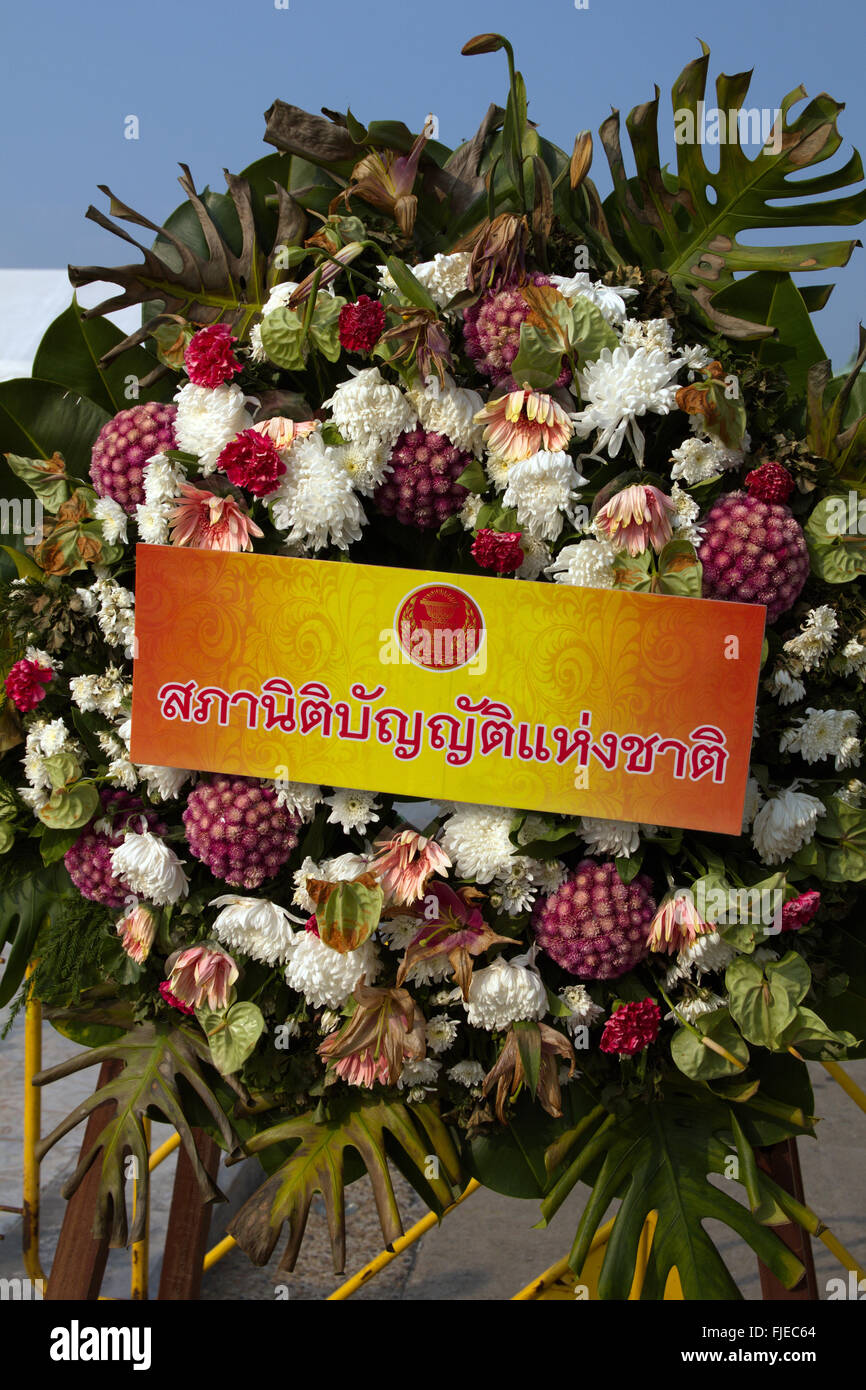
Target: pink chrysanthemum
x,y
753,552
360,324
88,862
632,1028
25,684
498,550
251,460
595,926
636,518
205,521
236,827
209,359
799,911
123,447
422,488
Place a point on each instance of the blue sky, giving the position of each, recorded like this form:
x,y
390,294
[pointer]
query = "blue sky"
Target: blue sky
x,y
198,74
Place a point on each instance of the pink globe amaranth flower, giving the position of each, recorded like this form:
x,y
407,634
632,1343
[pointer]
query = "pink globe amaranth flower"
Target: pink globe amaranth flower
x,y
753,552
636,518
283,433
205,521
123,447
523,423
799,911
360,324
405,863
136,930
251,460
88,861
209,359
201,974
25,684
676,924
171,999
237,828
595,926
421,489
491,328
498,550
632,1028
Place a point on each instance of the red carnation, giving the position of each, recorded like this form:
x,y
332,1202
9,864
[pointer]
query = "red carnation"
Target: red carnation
x,y
173,1000
24,684
799,911
251,460
498,550
771,482
209,359
361,324
632,1028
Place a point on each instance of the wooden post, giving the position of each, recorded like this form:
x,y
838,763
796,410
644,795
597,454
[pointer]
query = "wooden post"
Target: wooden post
x,y
188,1224
80,1259
781,1163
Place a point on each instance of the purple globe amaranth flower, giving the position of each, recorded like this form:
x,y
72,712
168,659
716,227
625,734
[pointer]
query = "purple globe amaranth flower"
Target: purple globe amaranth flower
x,y
491,329
123,447
88,862
595,926
422,488
236,827
753,552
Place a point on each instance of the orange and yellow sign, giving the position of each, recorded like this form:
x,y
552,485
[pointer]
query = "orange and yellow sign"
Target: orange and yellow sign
x,y
452,687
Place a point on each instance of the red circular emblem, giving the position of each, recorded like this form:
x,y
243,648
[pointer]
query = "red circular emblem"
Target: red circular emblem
x,y
439,627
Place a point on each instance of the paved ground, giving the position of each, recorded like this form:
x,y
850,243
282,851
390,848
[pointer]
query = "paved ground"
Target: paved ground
x,y
485,1250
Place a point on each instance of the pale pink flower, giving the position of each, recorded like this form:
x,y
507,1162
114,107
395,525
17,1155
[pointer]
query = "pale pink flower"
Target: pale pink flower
x,y
136,930
524,423
384,1031
201,974
404,864
637,517
283,432
205,521
676,924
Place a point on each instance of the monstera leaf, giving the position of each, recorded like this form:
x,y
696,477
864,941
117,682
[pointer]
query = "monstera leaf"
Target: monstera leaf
x,y
657,1158
318,1162
221,286
155,1057
689,225
23,908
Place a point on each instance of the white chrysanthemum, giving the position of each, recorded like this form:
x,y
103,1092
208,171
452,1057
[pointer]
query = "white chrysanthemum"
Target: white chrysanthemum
x,y
685,516
257,927
113,519
468,513
352,809
825,733
161,479
278,299
164,782
695,358
516,890
122,773
398,932
367,408
613,837
34,797
504,992
588,565
366,464
654,334
751,804
441,1032
329,1020
450,410
114,609
706,955
620,386
816,638
420,1072
608,299
442,278
692,1008
299,798
787,688
785,824
469,1074
583,1011
476,840
699,458
498,470
543,490
537,555
208,418
104,694
852,659
152,520
326,977
315,501
150,867
54,737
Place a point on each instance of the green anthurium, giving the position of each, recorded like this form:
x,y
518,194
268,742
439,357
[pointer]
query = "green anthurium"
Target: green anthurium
x,y
763,1001
62,768
324,325
836,553
350,913
283,339
232,1034
69,808
702,1055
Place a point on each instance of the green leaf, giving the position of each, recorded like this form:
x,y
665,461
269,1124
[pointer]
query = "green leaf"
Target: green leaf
x,y
283,339
845,826
702,1063
325,324
350,915
408,287
24,566
62,768
70,353
53,844
46,478
762,1204
811,1033
358,1122
69,808
679,570
232,1034
473,477
23,909
589,331
628,867
7,838
529,1046
156,1058
689,225
39,419
538,362
836,555
763,1001
771,297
